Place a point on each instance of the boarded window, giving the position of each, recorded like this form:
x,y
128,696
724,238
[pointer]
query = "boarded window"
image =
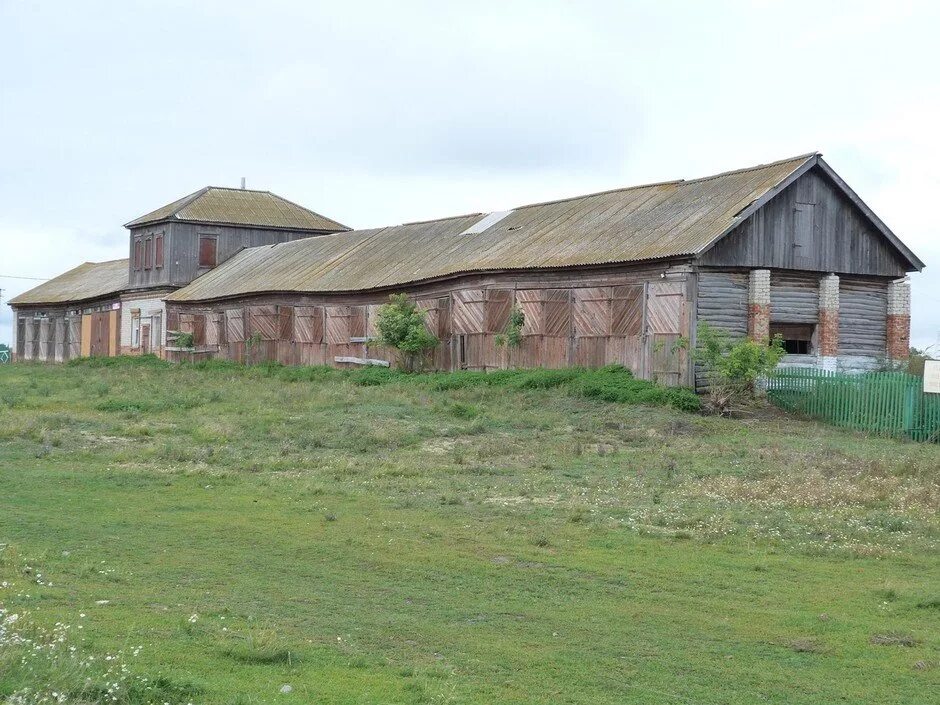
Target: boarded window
x,y
308,324
556,312
199,329
591,312
264,321
137,254
148,253
213,328
468,312
626,314
207,247
234,325
158,251
497,309
286,322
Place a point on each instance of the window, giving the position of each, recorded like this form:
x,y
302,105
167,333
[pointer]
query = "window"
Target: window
x,y
207,251
148,253
137,253
797,337
158,251
135,328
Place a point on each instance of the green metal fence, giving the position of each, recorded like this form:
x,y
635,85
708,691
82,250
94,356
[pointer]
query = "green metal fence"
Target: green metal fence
x,y
885,403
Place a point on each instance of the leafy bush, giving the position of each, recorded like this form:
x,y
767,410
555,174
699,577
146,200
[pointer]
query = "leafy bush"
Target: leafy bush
x,y
400,324
732,368
513,336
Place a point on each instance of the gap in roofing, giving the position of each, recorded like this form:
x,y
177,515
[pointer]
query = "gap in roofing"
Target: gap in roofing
x,y
486,222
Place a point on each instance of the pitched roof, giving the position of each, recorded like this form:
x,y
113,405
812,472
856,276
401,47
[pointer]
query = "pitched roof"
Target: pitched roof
x,y
231,206
668,219
91,280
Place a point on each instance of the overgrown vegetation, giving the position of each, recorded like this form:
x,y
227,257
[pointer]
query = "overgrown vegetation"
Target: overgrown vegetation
x,y
512,338
373,536
732,368
401,326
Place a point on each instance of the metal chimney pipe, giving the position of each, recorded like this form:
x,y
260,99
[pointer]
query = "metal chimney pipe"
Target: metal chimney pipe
x,y
243,183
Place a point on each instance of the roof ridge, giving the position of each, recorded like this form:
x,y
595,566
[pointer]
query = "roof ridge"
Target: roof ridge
x,y
108,261
238,188
672,181
179,203
798,157
319,215
436,220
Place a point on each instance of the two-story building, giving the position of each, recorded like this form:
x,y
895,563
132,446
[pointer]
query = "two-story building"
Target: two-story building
x,y
117,307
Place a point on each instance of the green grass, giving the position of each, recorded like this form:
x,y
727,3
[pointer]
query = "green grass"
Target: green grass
x,y
531,537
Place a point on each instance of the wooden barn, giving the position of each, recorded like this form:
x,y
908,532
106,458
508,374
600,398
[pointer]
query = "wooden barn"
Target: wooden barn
x,y
621,277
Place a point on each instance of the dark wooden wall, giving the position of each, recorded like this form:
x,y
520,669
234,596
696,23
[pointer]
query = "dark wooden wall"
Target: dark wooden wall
x,y
809,226
181,248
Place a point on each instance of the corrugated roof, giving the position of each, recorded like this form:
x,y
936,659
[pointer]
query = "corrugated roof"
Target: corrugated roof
x,y
668,219
239,207
90,280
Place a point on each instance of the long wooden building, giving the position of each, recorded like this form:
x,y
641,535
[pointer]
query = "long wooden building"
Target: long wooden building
x,y
622,276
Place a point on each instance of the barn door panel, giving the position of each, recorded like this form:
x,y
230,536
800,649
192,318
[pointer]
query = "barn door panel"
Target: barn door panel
x,y
667,321
74,336
591,315
468,311
45,339
234,321
60,340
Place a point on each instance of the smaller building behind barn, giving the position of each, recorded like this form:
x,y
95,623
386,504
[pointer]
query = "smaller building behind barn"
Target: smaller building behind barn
x,y
623,276
117,307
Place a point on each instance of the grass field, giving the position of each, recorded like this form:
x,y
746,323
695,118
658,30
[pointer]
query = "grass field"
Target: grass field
x,y
218,535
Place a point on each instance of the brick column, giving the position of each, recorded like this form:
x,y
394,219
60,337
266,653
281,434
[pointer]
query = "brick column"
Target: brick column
x,y
827,329
899,319
758,305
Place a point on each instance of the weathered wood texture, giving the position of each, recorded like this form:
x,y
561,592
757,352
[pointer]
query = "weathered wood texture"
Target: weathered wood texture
x,y
722,301
794,297
180,249
634,319
810,225
863,311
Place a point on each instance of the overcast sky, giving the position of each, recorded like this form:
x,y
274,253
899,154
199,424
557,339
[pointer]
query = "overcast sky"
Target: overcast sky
x,y
379,113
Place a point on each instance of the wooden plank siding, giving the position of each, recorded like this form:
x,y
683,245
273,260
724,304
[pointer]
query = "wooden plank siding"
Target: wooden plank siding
x,y
177,249
810,226
566,325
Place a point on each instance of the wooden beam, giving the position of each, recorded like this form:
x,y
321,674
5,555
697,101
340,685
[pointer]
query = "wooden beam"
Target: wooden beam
x,y
361,361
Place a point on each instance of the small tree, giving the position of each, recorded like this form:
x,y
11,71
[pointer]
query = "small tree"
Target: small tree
x,y
732,368
513,336
401,326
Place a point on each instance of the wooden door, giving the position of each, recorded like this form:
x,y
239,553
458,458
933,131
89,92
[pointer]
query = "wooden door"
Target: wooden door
x,y
145,338
666,311
100,334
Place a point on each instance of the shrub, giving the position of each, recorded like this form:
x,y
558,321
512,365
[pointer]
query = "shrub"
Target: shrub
x,y
401,326
513,336
732,368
